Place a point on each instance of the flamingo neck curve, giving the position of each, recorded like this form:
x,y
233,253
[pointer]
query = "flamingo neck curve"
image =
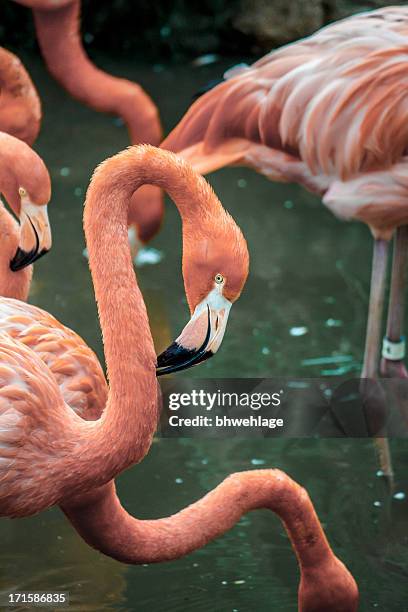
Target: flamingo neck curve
x,y
122,436
58,32
325,582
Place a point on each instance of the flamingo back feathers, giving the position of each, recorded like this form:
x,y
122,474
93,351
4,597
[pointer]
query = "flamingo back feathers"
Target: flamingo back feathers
x,y
73,365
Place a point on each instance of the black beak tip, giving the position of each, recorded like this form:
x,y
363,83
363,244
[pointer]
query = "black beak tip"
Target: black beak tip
x,y
176,358
22,258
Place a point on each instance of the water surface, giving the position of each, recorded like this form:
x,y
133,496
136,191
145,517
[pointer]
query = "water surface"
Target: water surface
x,y
306,299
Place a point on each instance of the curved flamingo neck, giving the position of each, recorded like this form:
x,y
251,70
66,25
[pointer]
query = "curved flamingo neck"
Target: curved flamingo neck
x,y
123,434
325,584
20,106
58,33
12,284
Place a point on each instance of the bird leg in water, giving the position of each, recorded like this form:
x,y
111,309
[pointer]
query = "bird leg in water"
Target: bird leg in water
x,y
372,395
392,364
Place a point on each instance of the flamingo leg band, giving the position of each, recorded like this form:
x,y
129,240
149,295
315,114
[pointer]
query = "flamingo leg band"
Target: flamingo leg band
x,y
393,351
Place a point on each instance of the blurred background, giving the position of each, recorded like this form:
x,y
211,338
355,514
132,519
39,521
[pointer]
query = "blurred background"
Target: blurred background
x,y
302,314
179,29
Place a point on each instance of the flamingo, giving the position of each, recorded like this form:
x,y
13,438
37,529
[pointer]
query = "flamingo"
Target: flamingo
x,y
25,184
57,24
330,113
24,179
50,455
20,106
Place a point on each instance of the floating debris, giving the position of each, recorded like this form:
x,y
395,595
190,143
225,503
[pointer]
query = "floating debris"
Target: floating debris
x,y
242,183
178,480
118,122
258,461
148,256
205,60
288,204
298,331
204,461
224,582
165,31
400,495
334,323
239,581
340,371
327,360
377,504
78,192
379,473
298,384
65,171
265,350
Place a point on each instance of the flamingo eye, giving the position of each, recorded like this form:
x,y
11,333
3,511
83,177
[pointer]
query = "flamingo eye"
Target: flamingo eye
x,y
22,192
219,279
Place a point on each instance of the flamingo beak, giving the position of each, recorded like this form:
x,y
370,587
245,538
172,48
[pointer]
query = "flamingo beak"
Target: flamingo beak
x,y
35,235
200,339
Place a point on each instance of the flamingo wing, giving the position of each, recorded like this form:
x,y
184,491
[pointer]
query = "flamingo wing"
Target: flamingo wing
x,y
310,109
73,365
32,412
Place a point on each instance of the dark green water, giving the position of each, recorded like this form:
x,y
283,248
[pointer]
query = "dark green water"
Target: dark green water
x,y
309,271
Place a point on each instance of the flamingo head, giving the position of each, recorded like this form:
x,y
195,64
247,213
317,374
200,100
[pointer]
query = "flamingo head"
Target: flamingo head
x,y
25,184
215,269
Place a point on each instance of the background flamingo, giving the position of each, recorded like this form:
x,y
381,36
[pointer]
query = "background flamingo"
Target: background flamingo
x,y
330,113
57,25
51,456
24,179
20,106
25,184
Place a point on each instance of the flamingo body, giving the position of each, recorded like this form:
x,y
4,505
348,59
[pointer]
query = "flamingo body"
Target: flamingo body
x,y
329,112
72,364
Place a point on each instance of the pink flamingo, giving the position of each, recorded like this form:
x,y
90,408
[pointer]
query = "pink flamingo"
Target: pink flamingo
x,y
49,455
328,112
20,106
24,179
57,24
25,184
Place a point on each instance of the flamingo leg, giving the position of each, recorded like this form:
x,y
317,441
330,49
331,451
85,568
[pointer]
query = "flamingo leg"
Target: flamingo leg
x,y
372,401
392,364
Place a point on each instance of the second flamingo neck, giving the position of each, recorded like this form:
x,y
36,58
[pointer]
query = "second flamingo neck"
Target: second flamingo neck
x,y
59,37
